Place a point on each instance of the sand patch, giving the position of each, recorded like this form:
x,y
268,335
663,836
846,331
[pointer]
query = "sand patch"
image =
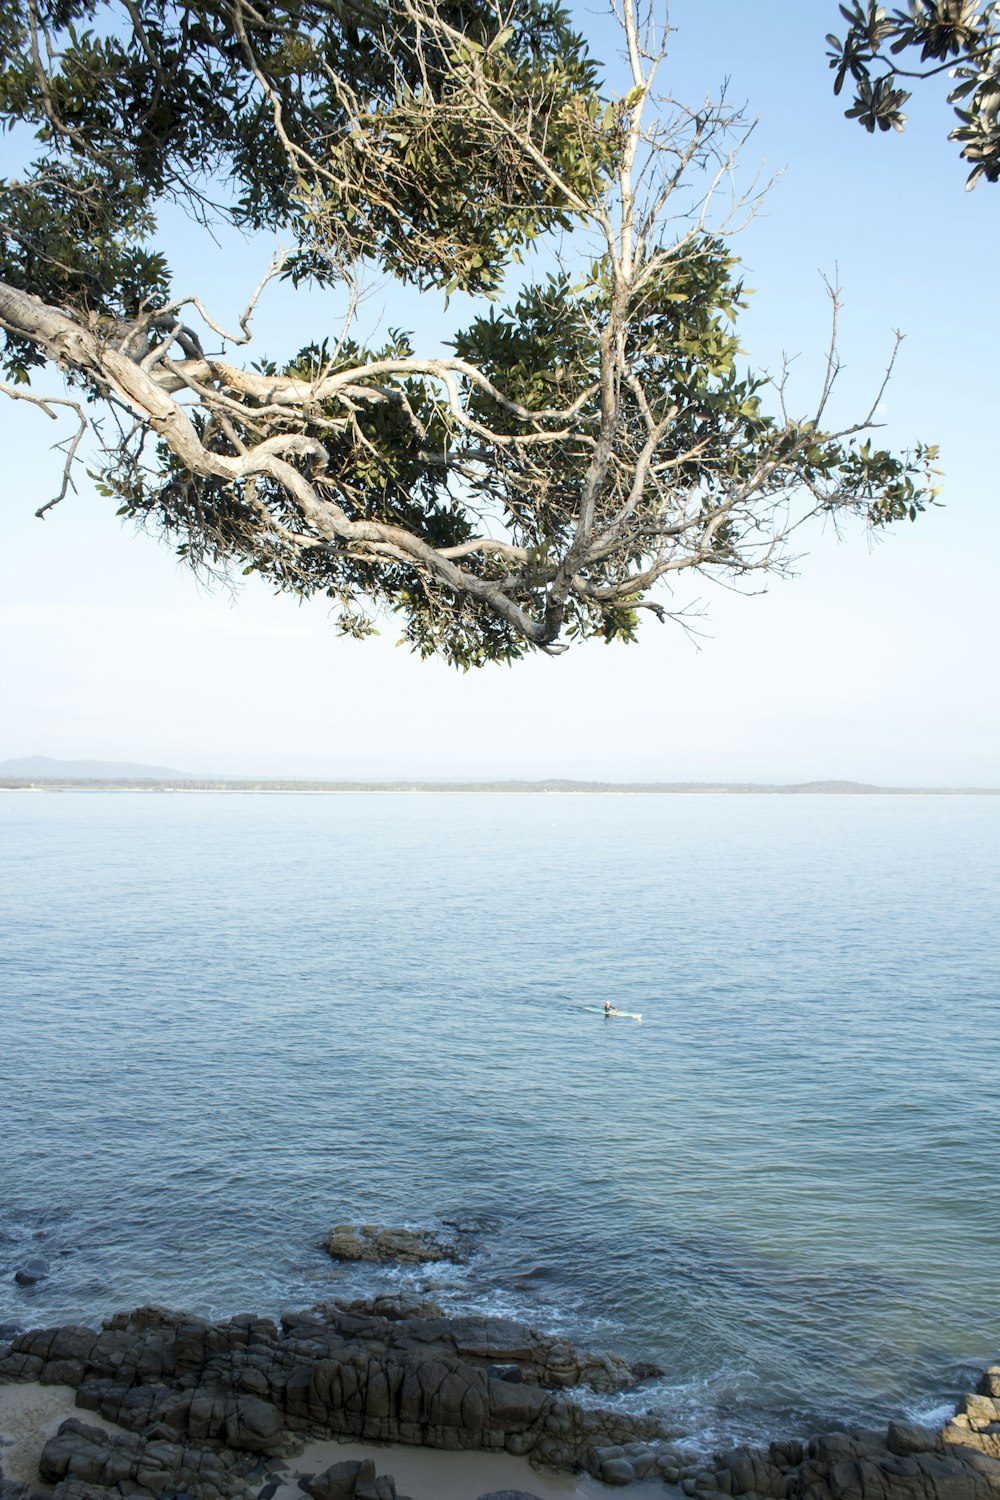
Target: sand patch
x,y
432,1474
29,1415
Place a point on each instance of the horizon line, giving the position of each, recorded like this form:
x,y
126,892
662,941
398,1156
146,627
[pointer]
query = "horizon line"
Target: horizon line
x,y
207,782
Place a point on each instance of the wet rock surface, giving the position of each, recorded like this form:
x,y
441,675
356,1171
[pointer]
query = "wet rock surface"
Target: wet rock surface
x,y
404,1247
32,1271
209,1409
509,1350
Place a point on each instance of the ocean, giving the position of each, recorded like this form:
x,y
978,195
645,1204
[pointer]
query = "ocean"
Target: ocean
x,y
231,1021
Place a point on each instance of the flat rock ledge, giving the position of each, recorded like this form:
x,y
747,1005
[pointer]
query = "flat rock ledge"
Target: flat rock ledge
x,y
211,1410
403,1247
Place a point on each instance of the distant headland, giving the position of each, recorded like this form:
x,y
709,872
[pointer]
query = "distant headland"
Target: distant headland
x,y
42,773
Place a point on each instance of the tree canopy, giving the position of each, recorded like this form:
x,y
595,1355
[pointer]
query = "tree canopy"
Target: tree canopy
x,y
590,433
882,50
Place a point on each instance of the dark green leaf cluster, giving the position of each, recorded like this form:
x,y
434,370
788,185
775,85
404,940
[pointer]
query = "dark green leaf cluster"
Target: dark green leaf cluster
x,y
961,37
680,351
577,446
378,152
401,460
387,466
889,488
74,237
491,196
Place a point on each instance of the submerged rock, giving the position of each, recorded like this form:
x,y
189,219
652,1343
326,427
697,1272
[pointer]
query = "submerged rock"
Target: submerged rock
x,y
34,1270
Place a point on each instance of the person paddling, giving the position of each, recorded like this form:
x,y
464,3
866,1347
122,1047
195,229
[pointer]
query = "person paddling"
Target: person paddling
x,y
609,1009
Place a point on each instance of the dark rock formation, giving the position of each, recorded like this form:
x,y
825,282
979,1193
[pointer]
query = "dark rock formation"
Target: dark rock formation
x,y
396,1306
906,1463
508,1495
355,1479
405,1247
362,1370
209,1407
87,1463
98,1460
509,1350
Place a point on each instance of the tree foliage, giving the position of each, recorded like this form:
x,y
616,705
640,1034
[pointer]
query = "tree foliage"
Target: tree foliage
x,y
588,434
883,49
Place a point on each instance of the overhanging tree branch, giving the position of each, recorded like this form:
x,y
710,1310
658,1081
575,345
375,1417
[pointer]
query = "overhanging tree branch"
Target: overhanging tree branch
x,y
575,448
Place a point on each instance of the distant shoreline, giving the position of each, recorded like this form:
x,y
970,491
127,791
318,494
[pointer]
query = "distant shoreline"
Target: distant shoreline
x,y
488,788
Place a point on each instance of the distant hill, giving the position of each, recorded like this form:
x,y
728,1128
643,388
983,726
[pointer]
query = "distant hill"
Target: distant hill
x,y
44,768
32,771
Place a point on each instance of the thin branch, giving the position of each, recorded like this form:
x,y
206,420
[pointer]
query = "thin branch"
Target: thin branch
x,y
45,404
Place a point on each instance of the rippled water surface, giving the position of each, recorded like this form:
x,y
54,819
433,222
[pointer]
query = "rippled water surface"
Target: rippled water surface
x,y
230,1021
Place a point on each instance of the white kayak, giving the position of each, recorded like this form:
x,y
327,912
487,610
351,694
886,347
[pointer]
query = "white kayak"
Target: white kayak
x,y
624,1015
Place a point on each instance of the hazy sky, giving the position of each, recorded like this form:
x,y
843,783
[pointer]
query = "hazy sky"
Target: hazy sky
x,y
875,663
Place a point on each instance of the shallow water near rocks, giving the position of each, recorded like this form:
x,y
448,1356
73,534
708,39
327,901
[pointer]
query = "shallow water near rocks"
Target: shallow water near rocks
x,y
232,1021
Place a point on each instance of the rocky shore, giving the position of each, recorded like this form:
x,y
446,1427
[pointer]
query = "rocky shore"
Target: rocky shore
x,y
206,1410
180,1408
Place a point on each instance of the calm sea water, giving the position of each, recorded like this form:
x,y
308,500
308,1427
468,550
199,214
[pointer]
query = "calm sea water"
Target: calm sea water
x,y
232,1021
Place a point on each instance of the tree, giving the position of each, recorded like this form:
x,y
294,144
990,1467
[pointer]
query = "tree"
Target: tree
x,y
957,37
536,482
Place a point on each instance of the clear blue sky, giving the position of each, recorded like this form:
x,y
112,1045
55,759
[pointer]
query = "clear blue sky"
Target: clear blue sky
x,y
876,663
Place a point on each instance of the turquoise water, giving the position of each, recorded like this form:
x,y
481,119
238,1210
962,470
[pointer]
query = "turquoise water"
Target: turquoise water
x,y
231,1021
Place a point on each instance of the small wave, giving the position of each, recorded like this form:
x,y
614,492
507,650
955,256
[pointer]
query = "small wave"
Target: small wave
x,y
930,1415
